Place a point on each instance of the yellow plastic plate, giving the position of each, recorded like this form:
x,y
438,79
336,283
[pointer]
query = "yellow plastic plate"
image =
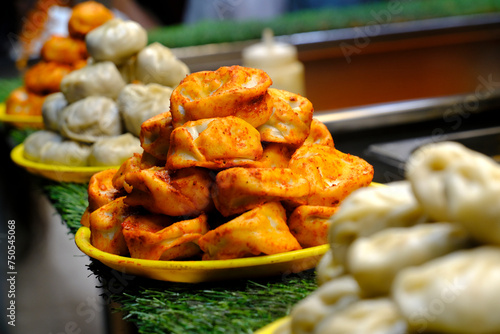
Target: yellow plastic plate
x,y
205,271
20,120
272,327
58,173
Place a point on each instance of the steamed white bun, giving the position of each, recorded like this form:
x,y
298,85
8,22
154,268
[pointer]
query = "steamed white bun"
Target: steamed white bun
x,y
90,119
113,151
116,41
453,183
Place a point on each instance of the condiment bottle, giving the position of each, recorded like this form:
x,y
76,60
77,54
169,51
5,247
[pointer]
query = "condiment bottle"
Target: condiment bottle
x,y
279,60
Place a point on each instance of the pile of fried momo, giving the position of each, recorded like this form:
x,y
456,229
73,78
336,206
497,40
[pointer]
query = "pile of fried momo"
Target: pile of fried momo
x,y
234,169
95,119
418,256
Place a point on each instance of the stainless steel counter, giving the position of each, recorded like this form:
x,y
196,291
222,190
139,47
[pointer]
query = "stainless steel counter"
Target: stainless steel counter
x,y
322,44
447,108
386,134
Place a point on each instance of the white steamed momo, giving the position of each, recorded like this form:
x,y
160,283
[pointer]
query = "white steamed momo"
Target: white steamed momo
x,y
374,261
457,293
51,110
367,316
454,183
369,210
157,64
99,79
138,103
89,119
116,41
326,301
127,70
113,151
328,268
428,168
66,153
34,144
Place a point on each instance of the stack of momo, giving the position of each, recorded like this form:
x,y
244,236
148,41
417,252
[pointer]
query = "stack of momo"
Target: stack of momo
x,y
59,56
418,256
234,169
95,120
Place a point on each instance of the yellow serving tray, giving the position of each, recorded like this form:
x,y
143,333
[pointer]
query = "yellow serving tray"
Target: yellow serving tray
x,y
205,271
58,173
20,121
272,327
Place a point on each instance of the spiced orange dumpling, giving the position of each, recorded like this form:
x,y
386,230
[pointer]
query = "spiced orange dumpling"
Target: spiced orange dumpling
x,y
136,162
319,134
46,77
106,227
23,102
87,16
273,155
100,192
332,174
158,237
229,91
184,192
155,135
240,189
290,120
130,165
64,50
309,224
262,230
214,143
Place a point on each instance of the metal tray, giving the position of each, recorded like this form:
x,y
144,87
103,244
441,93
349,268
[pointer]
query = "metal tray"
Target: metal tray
x,y
386,134
486,141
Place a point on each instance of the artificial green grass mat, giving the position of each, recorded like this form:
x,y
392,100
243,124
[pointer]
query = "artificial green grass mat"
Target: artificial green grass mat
x,y
207,32
7,85
17,136
70,201
239,306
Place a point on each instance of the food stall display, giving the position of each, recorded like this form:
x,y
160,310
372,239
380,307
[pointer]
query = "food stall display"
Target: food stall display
x,y
390,245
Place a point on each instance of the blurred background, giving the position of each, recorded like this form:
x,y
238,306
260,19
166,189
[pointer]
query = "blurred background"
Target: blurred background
x,y
362,52
379,73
